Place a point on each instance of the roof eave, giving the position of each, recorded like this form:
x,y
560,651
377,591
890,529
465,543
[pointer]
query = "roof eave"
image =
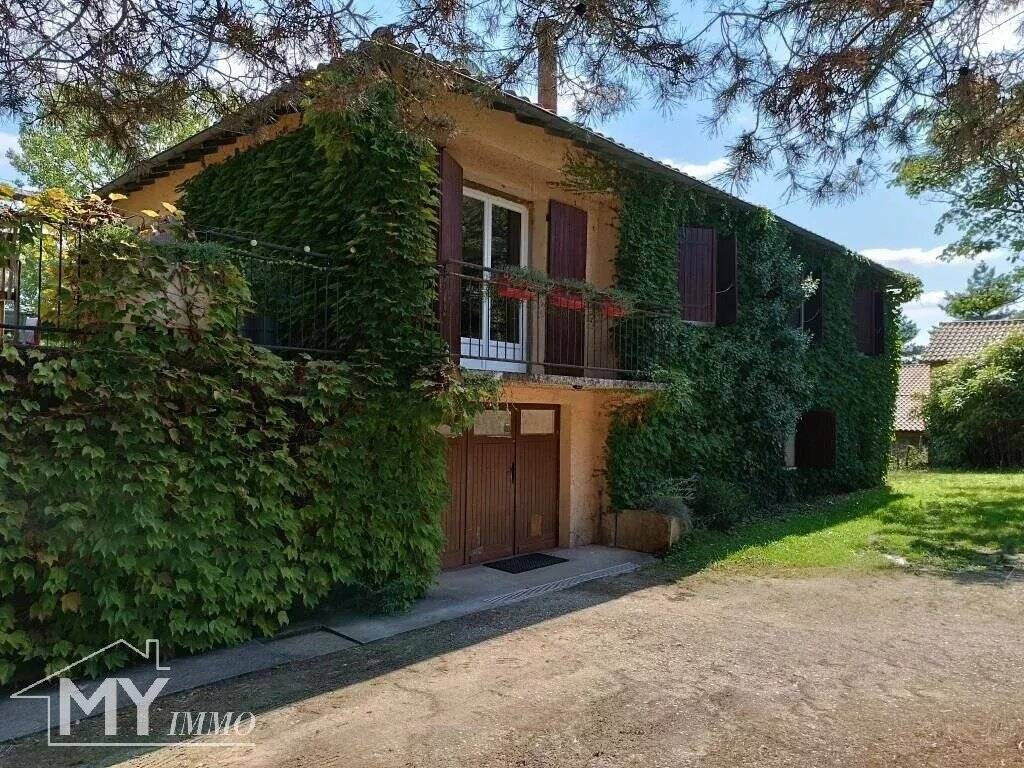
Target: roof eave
x,y
527,112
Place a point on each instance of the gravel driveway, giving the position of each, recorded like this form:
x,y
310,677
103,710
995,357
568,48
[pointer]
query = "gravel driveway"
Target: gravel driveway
x,y
822,669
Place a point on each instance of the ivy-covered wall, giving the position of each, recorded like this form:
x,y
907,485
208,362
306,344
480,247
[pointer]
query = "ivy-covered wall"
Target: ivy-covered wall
x,y
186,485
354,184
735,391
180,483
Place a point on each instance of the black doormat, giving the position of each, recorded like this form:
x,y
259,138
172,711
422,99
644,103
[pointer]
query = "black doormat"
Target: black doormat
x,y
524,563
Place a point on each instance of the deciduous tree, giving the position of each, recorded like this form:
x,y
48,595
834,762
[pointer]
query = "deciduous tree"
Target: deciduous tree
x,y
988,296
65,154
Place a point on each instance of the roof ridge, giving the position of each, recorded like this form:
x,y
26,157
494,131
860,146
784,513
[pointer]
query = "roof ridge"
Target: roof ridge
x,y
993,320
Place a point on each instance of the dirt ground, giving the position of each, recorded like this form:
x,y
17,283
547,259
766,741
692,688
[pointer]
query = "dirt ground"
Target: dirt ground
x,y
883,669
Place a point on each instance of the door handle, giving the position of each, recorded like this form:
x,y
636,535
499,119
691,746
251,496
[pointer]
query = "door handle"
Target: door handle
x,y
512,471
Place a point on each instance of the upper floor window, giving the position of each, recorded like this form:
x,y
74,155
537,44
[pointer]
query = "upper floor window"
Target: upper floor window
x,y
707,277
869,319
494,236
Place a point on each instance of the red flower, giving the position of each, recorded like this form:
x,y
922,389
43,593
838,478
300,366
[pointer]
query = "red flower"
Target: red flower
x,y
563,298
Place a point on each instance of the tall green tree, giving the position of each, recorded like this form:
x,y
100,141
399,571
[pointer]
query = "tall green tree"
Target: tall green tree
x,y
907,331
68,154
973,162
988,295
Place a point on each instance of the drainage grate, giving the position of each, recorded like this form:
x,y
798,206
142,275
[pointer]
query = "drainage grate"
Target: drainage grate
x,y
524,563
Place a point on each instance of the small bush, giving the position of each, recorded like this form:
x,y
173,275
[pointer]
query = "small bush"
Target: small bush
x,y
904,456
672,496
720,504
975,411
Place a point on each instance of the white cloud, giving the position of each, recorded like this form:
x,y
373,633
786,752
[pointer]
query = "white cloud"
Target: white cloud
x,y
907,257
928,300
702,171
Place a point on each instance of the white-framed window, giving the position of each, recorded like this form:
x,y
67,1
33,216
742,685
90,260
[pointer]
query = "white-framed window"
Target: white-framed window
x,y
495,234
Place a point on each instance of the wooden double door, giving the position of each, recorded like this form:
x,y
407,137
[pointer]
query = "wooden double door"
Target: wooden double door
x,y
503,478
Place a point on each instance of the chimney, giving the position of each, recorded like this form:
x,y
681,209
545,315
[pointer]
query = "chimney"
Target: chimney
x,y
547,64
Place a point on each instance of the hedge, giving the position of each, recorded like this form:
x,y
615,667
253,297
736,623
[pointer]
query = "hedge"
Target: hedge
x,y
975,411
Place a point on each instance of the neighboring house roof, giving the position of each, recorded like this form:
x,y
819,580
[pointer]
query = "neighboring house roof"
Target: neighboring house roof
x,y
210,140
966,338
915,383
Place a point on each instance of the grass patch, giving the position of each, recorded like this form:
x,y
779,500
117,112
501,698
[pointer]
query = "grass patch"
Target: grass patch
x,y
947,520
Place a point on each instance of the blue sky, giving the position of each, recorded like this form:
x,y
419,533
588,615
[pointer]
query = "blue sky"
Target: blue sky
x,y
884,223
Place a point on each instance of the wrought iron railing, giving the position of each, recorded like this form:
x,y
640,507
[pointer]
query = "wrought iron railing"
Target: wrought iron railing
x,y
492,319
497,320
298,294
40,275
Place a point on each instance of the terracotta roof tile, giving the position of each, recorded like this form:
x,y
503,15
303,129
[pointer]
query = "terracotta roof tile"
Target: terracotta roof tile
x,y
915,382
966,338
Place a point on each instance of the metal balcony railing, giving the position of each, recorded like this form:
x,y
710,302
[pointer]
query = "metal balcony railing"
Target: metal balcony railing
x,y
295,292
493,319
40,275
499,321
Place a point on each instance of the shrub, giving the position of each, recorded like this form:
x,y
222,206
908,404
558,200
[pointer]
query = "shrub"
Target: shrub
x,y
903,456
181,483
975,411
720,504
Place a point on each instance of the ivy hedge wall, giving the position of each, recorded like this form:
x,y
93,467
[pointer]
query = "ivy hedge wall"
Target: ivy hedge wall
x,y
189,486
171,480
356,185
733,392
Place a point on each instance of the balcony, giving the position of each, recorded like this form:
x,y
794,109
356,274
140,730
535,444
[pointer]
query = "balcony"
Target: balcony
x,y
507,322
493,319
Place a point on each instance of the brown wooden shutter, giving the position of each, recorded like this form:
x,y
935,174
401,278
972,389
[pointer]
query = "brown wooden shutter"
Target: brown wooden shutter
x,y
567,260
816,440
449,250
863,316
697,274
567,242
813,311
726,288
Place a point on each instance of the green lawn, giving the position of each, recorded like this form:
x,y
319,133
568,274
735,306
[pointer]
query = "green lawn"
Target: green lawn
x,y
947,520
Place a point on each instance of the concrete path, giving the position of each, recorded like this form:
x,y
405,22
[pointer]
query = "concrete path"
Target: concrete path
x,y
456,593
479,588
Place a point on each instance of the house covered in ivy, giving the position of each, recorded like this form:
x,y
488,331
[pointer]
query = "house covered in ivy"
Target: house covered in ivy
x,y
653,336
